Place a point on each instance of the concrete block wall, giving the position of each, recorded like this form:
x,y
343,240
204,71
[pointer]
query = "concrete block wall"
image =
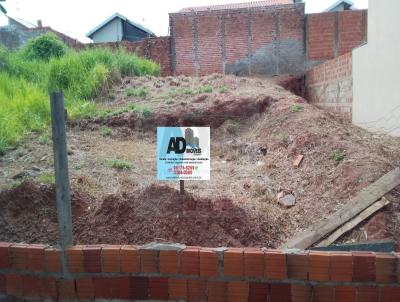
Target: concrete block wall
x,y
179,273
329,35
266,40
330,85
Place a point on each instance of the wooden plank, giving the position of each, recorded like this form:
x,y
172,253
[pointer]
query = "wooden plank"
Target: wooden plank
x,y
355,206
354,222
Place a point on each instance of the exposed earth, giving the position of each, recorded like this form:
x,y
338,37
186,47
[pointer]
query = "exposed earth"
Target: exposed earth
x,y
258,129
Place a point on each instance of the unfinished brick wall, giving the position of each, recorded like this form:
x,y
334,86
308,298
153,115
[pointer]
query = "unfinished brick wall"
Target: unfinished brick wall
x,y
266,40
156,49
330,35
196,274
330,85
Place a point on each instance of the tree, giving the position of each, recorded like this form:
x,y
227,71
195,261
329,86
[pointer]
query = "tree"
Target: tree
x,y
2,9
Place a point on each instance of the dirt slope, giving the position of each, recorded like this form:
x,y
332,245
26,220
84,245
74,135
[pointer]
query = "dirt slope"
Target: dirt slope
x,y
258,129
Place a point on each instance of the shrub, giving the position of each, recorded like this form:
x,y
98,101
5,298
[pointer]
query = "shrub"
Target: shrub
x,y
147,112
44,48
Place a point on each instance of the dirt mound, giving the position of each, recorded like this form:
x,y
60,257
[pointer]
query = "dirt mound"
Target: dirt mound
x,y
222,109
160,213
28,213
157,213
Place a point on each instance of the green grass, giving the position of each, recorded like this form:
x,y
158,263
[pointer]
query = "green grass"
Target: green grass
x,y
47,179
82,76
119,164
296,108
137,92
338,156
105,131
222,89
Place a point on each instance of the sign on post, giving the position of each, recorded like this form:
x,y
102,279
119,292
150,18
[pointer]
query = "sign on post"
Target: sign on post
x,y
183,153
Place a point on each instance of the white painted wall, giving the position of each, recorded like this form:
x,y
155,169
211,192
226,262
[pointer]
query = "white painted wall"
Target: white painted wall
x,y
112,32
376,71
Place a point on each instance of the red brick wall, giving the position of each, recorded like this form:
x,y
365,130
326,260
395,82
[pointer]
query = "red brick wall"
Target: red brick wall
x,y
330,85
196,274
330,35
266,40
156,49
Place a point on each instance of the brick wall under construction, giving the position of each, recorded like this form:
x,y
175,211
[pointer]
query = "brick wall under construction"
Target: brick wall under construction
x,y
179,273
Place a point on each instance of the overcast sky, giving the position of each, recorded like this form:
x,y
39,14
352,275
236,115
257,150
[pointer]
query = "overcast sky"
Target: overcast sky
x,y
77,17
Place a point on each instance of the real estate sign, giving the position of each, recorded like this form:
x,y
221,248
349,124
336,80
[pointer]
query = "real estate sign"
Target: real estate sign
x,y
183,153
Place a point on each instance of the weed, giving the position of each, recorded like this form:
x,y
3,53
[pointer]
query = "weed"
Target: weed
x,y
188,91
105,131
47,178
119,164
338,156
44,139
169,102
137,92
296,108
78,166
206,89
222,89
147,112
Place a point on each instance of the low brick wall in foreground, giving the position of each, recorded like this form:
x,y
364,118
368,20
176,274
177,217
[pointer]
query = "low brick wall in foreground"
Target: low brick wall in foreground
x,y
172,272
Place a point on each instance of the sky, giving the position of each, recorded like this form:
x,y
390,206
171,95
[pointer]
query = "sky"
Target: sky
x,y
77,17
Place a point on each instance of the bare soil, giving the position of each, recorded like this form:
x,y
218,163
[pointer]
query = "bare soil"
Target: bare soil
x,y
258,128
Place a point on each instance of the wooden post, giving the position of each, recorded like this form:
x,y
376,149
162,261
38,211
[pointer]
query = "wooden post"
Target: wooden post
x,y
182,187
63,199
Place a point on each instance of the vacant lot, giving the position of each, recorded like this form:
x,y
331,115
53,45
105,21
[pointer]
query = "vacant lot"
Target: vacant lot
x,y
257,130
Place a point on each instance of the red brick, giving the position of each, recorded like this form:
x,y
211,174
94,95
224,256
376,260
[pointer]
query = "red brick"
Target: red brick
x,y
66,289
253,263
300,293
258,292
111,259
345,294
139,288
158,288
177,289
19,256
341,267
5,256
363,267
208,263
368,294
14,284
390,294
297,266
52,260
280,293
92,258
275,265
168,262
31,286
323,294
233,262
3,284
112,287
148,261
75,259
216,291
196,290
190,261
319,266
385,265
130,259
49,288
238,291
36,257
85,288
